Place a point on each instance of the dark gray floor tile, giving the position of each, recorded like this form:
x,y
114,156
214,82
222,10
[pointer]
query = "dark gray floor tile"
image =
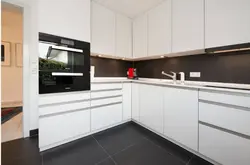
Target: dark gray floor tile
x,y
170,147
198,161
119,138
145,153
107,161
32,160
83,151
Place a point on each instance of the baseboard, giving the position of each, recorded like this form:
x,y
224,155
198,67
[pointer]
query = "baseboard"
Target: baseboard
x,y
176,143
44,148
34,132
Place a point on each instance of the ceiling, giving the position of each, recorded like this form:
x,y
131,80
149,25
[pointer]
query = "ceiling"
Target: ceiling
x,y
130,8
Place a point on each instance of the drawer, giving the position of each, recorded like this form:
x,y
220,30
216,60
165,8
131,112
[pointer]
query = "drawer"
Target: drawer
x,y
223,147
102,117
231,118
226,98
56,129
101,94
60,108
105,101
96,87
61,98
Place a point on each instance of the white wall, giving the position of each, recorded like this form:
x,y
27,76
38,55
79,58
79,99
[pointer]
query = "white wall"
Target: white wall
x,y
67,18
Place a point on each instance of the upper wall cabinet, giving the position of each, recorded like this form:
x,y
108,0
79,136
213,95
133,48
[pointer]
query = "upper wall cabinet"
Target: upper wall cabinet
x,y
140,36
159,29
103,30
67,18
227,22
123,46
187,25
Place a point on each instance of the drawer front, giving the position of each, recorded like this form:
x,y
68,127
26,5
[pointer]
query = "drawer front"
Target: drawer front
x,y
102,94
60,108
102,117
105,101
60,98
226,98
96,87
54,129
223,147
227,117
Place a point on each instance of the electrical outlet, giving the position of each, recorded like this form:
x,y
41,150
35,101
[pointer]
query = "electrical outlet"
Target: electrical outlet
x,y
195,74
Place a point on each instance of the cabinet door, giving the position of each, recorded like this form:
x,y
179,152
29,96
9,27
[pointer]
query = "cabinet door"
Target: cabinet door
x,y
151,107
181,116
123,36
140,36
227,22
188,25
223,147
103,30
159,29
135,102
126,102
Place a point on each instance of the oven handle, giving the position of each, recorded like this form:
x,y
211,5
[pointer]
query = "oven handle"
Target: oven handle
x,y
67,49
66,74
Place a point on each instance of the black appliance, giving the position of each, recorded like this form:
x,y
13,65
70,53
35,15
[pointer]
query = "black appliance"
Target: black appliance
x,y
64,64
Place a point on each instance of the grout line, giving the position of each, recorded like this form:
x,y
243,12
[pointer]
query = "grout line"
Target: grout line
x,y
104,150
190,160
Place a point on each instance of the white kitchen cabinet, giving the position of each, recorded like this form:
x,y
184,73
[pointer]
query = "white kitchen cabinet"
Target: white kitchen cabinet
x,y
135,102
140,36
181,116
226,22
126,101
103,30
67,18
223,147
151,106
159,29
123,45
187,25
105,116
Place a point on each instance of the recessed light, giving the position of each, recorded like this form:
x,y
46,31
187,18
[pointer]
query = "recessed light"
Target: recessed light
x,y
99,55
162,56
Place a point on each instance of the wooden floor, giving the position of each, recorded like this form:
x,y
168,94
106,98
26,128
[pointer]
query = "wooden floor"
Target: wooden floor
x,y
12,129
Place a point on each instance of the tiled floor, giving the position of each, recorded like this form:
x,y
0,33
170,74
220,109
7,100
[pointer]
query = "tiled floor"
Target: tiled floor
x,y
128,144
12,129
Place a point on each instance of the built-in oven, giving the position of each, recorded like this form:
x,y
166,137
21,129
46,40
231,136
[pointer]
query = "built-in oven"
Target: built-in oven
x,y
64,64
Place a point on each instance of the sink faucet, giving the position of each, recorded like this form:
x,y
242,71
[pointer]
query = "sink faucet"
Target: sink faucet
x,y
169,75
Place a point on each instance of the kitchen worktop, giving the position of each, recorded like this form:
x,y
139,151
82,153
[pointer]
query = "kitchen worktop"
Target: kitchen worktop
x,y
223,87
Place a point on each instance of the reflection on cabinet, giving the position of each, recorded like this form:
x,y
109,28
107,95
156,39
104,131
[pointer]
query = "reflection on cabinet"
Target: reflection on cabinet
x,y
123,44
223,147
103,30
227,22
151,106
187,25
159,29
126,101
140,36
181,116
135,102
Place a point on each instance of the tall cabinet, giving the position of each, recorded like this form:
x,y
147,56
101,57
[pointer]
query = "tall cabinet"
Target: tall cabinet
x,y
227,22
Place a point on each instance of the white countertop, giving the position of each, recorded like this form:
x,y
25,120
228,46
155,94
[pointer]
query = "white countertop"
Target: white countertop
x,y
187,84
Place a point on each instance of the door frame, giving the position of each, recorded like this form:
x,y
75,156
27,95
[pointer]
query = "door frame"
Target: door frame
x,y
30,64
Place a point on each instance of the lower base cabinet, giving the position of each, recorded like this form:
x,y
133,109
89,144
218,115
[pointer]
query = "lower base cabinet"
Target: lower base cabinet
x,y
58,128
223,147
105,116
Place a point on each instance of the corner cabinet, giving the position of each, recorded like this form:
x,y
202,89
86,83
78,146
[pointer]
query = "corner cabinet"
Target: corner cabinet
x,y
140,36
227,22
151,107
123,46
103,30
181,116
135,102
159,29
187,25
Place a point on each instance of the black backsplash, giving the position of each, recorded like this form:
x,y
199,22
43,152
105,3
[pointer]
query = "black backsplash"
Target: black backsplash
x,y
226,67
109,67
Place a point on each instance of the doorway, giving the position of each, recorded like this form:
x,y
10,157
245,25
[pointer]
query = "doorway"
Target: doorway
x,y
11,72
